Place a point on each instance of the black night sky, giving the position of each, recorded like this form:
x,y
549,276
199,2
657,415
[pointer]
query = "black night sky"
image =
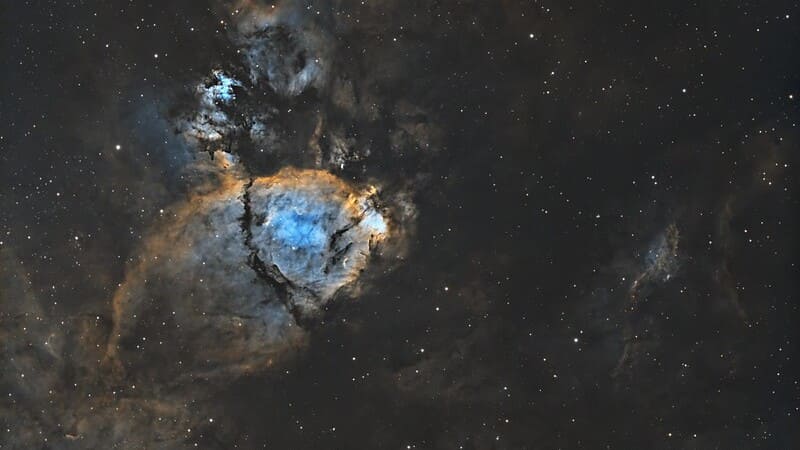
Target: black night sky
x,y
399,224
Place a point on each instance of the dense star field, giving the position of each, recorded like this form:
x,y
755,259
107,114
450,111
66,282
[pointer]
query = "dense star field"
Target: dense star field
x,y
386,224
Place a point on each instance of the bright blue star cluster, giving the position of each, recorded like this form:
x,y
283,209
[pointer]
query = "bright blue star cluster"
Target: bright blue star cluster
x,y
223,90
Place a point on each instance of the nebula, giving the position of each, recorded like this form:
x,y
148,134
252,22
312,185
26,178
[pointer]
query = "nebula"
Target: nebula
x,y
316,231
238,272
352,224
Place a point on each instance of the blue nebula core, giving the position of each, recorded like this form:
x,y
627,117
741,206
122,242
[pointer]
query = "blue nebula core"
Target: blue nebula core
x,y
315,229
300,230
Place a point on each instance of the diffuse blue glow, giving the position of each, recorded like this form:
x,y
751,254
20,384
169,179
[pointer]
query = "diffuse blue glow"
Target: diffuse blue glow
x,y
317,232
299,230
